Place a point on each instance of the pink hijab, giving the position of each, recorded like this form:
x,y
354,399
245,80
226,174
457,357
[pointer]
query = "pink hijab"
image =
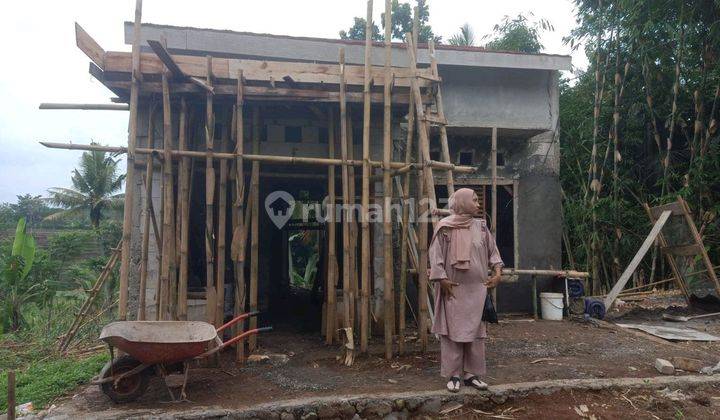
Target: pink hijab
x,y
462,210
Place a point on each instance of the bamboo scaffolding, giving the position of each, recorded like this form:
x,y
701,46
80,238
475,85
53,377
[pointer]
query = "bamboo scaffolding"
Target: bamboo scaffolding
x,y
388,295
142,293
210,292
167,270
185,170
255,215
330,306
130,176
240,225
444,147
365,202
222,216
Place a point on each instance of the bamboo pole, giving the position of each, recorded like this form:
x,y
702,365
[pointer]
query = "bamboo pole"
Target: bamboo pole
x,y
345,172
142,295
449,181
240,227
330,307
405,195
422,225
365,250
168,253
353,226
388,295
130,177
185,171
210,292
222,217
493,195
254,241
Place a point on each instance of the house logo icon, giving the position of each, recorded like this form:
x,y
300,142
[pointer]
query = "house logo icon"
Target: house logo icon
x,y
279,206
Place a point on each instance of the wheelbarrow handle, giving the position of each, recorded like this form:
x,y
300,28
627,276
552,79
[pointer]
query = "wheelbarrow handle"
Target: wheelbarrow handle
x,y
237,319
233,341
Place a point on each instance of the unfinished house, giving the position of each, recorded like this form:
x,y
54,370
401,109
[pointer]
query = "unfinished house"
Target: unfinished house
x,y
225,126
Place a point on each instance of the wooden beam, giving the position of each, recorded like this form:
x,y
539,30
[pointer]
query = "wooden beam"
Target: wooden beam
x,y
679,277
167,271
221,232
622,281
85,107
89,46
388,274
130,176
365,203
254,225
164,56
239,233
347,266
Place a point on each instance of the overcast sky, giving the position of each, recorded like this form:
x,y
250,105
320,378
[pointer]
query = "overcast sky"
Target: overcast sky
x,y
42,63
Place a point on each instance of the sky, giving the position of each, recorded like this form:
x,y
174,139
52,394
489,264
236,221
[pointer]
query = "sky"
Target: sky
x,y
42,63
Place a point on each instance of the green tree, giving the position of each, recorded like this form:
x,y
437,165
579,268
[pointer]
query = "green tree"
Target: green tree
x,y
518,34
464,38
95,186
402,21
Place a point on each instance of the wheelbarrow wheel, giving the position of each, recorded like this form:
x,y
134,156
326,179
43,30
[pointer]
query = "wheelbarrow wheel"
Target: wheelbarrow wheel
x,y
128,388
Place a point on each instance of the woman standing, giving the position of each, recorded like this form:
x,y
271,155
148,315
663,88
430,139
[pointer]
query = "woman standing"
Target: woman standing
x,y
461,251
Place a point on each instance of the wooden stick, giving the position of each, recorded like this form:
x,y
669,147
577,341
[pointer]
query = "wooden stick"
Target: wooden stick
x,y
185,171
210,292
142,295
449,181
240,227
365,250
168,252
493,196
330,306
130,176
11,395
388,295
86,107
344,146
255,240
353,225
222,216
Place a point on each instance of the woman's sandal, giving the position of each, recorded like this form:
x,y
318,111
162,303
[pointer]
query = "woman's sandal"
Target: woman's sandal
x,y
453,384
476,383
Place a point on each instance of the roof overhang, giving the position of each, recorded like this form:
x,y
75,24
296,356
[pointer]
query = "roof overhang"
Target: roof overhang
x,y
224,43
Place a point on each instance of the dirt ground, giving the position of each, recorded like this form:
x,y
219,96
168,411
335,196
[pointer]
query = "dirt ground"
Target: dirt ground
x,y
519,350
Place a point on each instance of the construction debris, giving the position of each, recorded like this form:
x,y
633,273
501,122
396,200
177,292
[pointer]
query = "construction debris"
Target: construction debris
x,y
665,367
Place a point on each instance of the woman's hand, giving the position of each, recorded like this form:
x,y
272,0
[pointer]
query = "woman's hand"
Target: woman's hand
x,y
494,279
446,288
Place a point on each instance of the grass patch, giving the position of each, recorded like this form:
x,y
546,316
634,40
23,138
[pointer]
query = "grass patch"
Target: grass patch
x,y
41,382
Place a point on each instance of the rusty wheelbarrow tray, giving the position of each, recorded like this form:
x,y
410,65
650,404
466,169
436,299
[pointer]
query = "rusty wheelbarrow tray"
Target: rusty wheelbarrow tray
x,y
159,344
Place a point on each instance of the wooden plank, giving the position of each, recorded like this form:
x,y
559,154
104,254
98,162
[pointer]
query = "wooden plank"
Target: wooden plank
x,y
89,46
264,70
617,288
365,202
185,172
130,175
388,274
166,59
674,207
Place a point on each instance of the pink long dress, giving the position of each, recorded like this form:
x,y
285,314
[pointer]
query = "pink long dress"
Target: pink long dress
x,y
459,319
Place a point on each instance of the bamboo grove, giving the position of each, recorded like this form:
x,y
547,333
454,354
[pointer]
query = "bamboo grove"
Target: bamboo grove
x,y
639,126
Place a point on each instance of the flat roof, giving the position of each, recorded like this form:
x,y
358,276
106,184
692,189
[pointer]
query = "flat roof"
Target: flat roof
x,y
226,43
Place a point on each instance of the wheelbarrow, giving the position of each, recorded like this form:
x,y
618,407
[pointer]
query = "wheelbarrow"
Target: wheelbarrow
x,y
166,346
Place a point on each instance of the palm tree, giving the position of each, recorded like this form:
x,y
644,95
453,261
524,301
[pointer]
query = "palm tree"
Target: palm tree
x,y
95,183
464,38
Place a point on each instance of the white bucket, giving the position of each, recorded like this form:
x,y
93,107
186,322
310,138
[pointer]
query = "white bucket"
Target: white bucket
x,y
551,305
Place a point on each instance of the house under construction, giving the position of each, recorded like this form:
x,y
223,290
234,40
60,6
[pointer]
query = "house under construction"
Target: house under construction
x,y
221,121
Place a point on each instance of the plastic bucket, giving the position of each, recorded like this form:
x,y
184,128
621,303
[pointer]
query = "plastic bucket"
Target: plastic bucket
x,y
551,305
